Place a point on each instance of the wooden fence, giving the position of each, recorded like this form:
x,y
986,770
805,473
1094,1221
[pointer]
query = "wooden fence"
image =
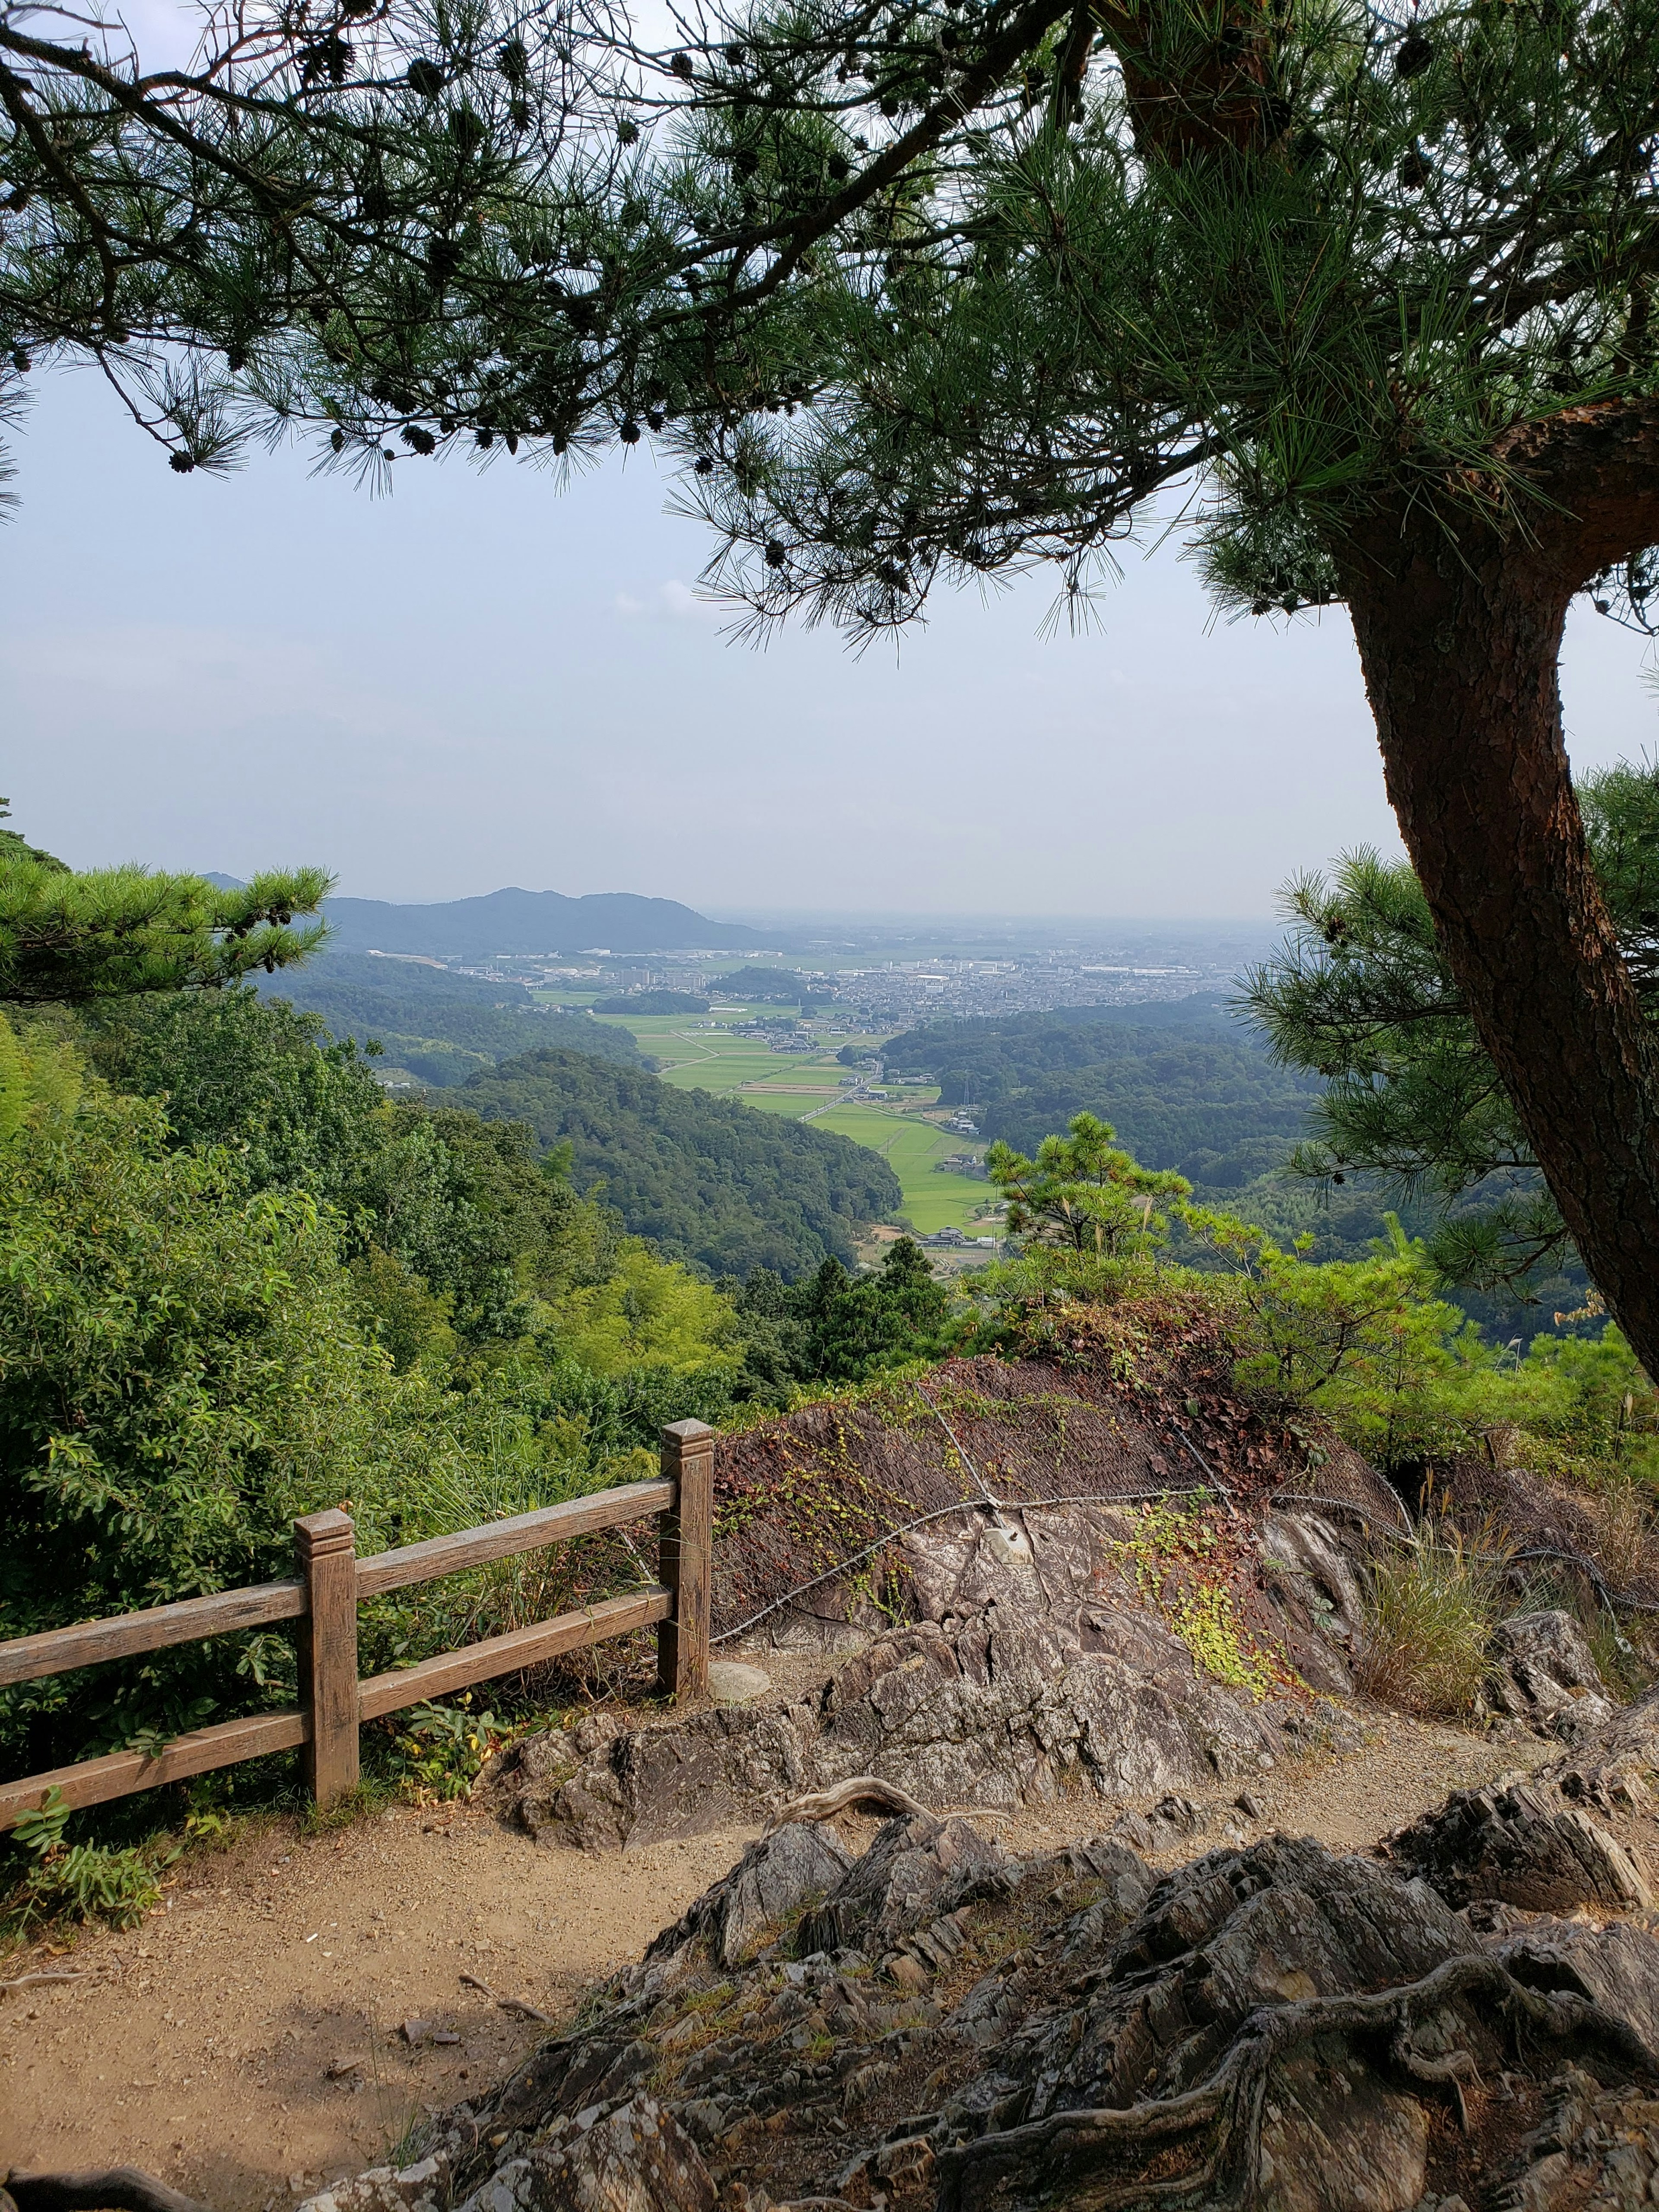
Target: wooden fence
x,y
323,1598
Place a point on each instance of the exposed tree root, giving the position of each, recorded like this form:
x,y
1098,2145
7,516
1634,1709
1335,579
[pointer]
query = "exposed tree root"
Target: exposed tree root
x,y
1227,2109
860,1790
103,2189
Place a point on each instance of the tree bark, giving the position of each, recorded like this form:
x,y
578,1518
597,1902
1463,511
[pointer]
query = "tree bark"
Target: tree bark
x,y
1458,618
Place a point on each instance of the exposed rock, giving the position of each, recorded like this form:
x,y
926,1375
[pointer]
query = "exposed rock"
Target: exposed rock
x,y
422,2187
1275,2029
1037,1673
732,1683
1122,1405
1595,2146
1305,1552
1169,1822
774,1879
1544,1672
1616,1967
1524,1846
915,1872
1609,1762
637,2158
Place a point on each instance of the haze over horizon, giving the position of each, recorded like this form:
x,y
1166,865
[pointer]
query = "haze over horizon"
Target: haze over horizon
x,y
481,683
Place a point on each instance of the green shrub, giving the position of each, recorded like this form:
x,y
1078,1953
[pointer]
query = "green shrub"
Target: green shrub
x,y
76,1881
183,1370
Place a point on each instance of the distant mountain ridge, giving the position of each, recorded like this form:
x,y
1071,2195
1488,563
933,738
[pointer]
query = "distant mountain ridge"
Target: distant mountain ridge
x,y
441,1025
519,921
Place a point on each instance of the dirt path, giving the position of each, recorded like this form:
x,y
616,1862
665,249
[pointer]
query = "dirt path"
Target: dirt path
x,y
247,2044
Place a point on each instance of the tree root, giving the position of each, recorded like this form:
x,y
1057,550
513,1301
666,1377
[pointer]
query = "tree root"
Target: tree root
x,y
1228,2107
103,2189
859,1790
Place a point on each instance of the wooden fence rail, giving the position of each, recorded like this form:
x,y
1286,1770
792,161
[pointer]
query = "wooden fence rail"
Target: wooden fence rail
x,y
323,1598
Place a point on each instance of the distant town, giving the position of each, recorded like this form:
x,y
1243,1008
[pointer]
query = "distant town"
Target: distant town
x,y
896,992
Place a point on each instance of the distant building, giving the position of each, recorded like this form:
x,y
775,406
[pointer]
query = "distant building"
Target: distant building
x,y
962,1163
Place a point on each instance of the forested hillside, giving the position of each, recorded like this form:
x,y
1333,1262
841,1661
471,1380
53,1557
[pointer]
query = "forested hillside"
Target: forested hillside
x,y
439,1025
1186,1085
705,1178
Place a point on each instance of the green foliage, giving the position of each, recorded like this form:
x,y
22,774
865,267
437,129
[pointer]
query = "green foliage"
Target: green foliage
x,y
1178,1560
1086,1193
39,1080
69,938
83,1882
837,1327
438,1752
1403,1375
441,1025
1187,1085
644,1314
188,1360
751,987
1361,996
75,1881
1368,1342
1087,298
240,1070
707,1180
430,1194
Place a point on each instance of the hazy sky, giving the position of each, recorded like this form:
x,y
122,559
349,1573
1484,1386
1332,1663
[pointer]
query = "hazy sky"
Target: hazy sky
x,y
480,681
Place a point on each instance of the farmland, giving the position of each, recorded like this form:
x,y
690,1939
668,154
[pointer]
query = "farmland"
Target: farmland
x,y
799,1085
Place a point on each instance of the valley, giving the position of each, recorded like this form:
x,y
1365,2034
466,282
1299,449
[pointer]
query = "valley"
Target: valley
x,y
702,1053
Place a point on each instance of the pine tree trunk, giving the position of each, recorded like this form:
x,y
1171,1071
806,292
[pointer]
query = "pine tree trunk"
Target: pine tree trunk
x,y
1459,641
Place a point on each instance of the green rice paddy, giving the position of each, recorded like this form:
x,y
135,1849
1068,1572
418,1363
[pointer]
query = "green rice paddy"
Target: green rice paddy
x,y
802,1084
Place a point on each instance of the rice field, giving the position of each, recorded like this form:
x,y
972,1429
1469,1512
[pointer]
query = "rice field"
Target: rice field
x,y
803,1084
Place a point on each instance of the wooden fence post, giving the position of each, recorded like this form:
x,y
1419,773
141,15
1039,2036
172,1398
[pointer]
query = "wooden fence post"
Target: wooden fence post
x,y
685,1559
326,1547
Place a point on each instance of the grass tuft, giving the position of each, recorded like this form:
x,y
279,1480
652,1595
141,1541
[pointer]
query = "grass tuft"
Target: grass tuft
x,y
1432,1608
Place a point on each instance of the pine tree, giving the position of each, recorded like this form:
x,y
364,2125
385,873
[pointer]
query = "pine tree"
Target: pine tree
x,y
1361,995
67,937
335,189
928,291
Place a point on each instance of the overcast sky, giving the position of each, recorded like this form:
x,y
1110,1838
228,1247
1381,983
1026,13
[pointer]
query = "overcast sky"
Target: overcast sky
x,y
480,681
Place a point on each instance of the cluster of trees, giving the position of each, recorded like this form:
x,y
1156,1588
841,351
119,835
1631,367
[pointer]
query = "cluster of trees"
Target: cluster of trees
x,y
1363,996
1368,1342
837,1327
1190,1085
708,1180
240,1284
439,1025
1254,1104
916,295
779,987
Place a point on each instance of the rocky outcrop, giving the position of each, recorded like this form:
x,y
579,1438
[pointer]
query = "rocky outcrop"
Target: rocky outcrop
x,y
772,1883
1544,1673
1036,1672
1595,2148
633,2157
1612,1764
1274,2027
1524,1846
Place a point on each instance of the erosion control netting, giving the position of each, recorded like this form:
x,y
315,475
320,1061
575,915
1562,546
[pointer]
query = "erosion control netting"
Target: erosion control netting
x,y
809,1507
1512,1514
